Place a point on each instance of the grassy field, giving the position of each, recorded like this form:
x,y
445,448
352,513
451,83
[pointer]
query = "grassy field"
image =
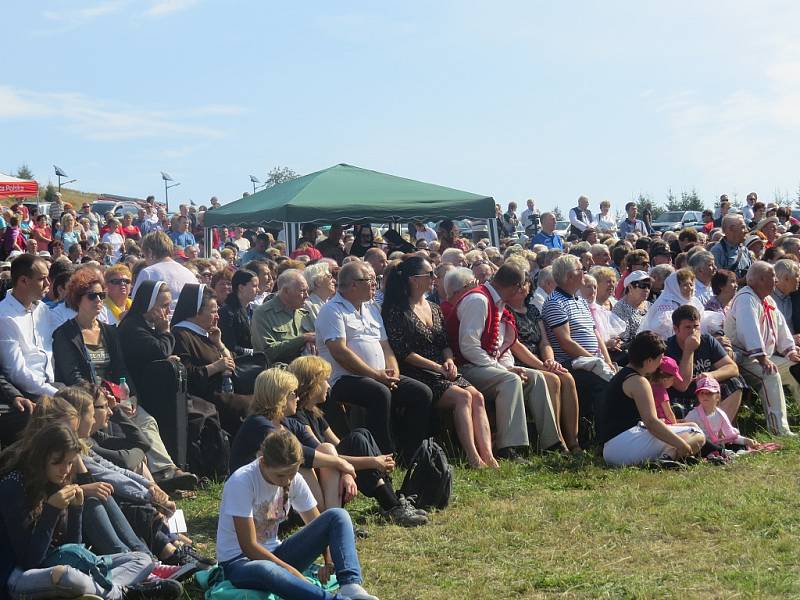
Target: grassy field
x,y
571,528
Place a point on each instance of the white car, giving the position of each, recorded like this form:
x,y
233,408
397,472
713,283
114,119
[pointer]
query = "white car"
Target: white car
x,y
562,228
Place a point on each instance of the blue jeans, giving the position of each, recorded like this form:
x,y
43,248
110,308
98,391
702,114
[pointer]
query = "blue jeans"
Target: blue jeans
x,y
107,530
333,529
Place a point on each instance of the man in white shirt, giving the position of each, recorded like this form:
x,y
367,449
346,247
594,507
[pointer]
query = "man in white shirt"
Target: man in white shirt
x,y
747,209
424,232
764,344
545,286
157,249
26,333
481,338
527,216
351,337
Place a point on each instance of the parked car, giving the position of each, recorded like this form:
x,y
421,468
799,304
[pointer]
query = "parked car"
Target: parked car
x,y
102,207
675,220
562,228
40,208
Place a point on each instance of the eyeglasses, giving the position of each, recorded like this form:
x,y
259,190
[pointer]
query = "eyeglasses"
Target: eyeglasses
x,y
429,275
206,274
119,281
371,280
95,296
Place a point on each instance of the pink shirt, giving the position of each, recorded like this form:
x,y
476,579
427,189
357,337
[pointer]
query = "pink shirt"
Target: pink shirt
x,y
660,395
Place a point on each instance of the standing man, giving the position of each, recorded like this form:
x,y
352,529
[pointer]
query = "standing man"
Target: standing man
x,y
530,217
724,207
747,209
510,219
580,217
631,224
548,236
730,252
332,246
181,236
157,250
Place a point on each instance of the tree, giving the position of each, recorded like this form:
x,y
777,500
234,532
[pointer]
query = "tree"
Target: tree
x,y
50,193
24,172
797,200
642,200
279,175
691,201
672,202
557,213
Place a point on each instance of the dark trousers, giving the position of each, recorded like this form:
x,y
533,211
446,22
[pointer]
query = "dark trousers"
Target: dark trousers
x,y
360,442
404,411
591,391
11,424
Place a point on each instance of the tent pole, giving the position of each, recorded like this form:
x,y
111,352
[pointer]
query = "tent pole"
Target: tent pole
x,y
207,241
494,233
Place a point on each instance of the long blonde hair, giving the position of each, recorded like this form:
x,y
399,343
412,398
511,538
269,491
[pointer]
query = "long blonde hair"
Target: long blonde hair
x,y
312,372
271,389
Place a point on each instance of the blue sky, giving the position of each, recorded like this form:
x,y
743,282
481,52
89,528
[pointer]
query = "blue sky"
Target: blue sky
x,y
547,100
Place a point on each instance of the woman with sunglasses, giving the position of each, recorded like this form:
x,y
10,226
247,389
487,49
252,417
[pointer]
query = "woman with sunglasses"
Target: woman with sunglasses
x,y
415,327
632,308
118,284
636,260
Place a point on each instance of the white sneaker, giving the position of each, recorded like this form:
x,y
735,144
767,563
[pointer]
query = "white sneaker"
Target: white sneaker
x,y
354,591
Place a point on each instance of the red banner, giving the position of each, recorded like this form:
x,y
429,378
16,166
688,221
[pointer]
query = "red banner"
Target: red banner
x,y
18,189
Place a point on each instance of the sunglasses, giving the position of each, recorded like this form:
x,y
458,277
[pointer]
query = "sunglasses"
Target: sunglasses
x,y
642,285
95,296
119,281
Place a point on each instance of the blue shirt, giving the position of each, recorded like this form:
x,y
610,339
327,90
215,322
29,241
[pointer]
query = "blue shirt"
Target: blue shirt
x,y
182,239
551,240
626,227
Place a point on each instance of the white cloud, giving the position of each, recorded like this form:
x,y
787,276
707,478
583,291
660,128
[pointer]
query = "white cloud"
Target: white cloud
x,y
99,120
80,16
163,8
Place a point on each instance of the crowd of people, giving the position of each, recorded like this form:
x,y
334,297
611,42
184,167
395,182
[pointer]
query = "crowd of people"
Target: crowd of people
x,y
311,374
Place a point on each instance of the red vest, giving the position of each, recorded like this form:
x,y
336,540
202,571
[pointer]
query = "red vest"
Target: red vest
x,y
491,329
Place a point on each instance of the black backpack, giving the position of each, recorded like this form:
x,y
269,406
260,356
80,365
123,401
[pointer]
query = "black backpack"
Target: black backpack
x,y
429,480
209,448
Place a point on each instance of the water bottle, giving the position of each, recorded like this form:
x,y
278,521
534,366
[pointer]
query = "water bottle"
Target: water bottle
x,y
125,398
227,384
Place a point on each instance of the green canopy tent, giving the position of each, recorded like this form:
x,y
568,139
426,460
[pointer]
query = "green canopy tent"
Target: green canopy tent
x,y
344,193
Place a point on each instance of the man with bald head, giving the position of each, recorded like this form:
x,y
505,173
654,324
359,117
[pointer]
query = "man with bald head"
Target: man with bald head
x,y
281,327
767,350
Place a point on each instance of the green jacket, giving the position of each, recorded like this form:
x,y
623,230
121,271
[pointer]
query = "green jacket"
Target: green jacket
x,y
278,331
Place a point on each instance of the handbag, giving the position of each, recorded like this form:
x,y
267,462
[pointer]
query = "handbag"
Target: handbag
x,y
247,369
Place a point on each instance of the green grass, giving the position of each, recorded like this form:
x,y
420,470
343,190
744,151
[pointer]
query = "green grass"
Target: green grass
x,y
571,528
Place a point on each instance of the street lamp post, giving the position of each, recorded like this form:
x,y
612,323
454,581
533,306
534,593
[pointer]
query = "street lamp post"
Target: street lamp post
x,y
167,178
60,173
256,180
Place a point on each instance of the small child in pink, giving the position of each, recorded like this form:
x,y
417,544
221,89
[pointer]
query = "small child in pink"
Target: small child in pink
x,y
714,422
660,382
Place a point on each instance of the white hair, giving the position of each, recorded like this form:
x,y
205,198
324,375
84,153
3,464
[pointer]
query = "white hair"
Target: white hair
x,y
457,279
545,276
699,259
316,272
758,270
289,278
450,255
786,266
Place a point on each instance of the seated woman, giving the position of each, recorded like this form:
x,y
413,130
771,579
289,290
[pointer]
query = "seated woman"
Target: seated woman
x,y
86,350
136,494
678,290
629,401
118,285
40,510
198,344
255,501
321,287
415,328
331,478
631,308
533,349
221,284
724,286
359,448
236,312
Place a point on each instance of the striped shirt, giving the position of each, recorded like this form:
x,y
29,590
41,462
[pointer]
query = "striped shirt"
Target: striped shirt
x,y
561,308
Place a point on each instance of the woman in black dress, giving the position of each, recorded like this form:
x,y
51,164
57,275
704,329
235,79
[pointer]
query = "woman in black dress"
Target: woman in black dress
x,y
415,328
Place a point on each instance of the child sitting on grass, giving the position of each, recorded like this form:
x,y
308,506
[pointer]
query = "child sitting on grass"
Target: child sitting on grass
x,y
661,381
255,500
715,423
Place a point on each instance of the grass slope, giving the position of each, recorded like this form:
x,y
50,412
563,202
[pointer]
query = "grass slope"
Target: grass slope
x,y
571,528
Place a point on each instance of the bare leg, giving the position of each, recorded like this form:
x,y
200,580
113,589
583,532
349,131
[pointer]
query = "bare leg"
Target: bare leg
x,y
460,400
329,479
310,475
569,412
695,439
481,428
731,404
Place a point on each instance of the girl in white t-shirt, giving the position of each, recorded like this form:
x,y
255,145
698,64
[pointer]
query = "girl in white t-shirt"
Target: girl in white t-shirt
x,y
255,500
714,422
